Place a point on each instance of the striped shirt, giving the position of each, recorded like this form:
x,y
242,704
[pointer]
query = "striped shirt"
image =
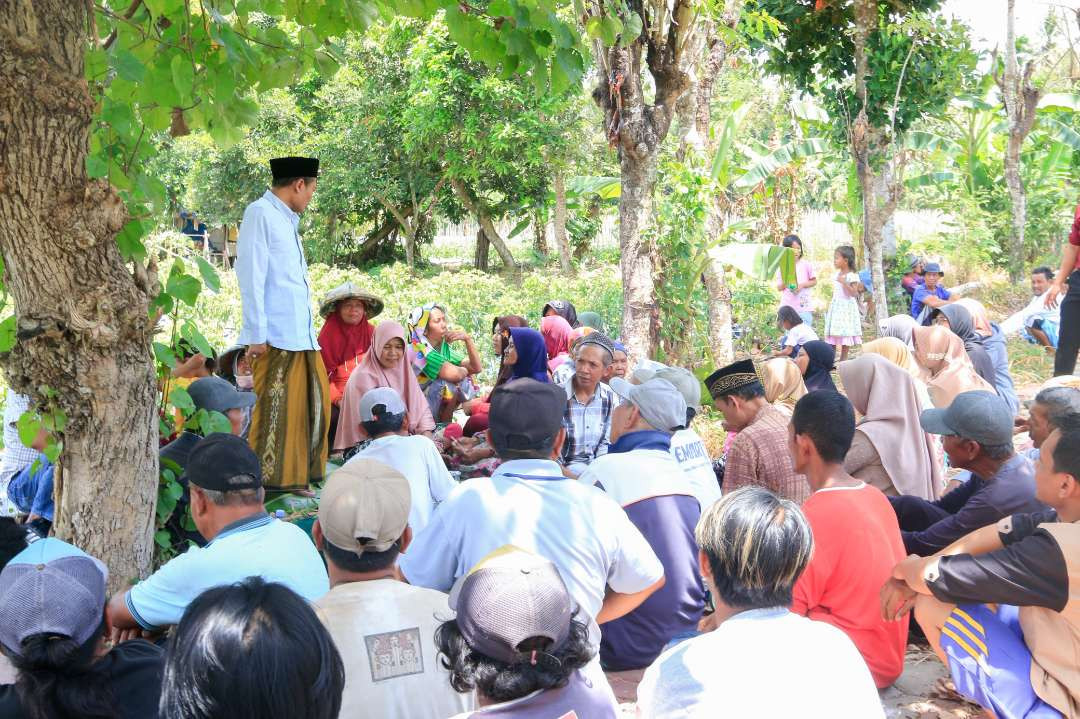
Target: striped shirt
x,y
588,426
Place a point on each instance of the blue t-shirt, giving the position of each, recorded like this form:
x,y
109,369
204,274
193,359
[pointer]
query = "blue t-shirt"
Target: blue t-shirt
x,y
256,546
919,299
31,490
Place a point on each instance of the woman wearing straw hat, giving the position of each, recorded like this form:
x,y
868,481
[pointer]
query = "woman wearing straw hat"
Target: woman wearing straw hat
x,y
345,337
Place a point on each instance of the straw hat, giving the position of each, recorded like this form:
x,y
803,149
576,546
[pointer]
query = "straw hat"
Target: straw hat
x,y
350,291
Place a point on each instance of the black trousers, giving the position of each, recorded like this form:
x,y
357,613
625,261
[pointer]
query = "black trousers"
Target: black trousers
x,y
1069,330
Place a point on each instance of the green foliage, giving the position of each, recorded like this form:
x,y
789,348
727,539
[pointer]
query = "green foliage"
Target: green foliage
x,y
817,50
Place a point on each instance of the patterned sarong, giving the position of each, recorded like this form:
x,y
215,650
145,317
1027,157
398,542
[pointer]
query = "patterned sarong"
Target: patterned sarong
x,y
290,419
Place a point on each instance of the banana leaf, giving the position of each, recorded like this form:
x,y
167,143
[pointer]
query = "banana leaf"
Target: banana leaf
x,y
761,262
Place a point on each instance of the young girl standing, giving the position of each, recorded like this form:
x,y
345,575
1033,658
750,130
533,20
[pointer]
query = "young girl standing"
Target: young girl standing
x,y
843,325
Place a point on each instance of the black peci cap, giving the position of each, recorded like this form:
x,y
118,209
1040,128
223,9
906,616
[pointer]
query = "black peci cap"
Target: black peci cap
x,y
283,167
220,457
526,415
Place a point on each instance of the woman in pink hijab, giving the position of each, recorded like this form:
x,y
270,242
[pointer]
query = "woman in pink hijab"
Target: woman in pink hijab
x,y
384,366
557,333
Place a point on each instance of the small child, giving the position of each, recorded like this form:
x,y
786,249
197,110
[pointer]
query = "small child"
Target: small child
x,y
797,332
843,324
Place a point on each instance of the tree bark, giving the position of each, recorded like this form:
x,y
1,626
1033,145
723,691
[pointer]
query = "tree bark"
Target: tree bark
x,y
1021,99
484,219
881,193
561,240
82,313
480,258
539,228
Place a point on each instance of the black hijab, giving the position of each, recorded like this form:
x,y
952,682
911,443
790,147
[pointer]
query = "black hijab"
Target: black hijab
x,y
822,357
564,309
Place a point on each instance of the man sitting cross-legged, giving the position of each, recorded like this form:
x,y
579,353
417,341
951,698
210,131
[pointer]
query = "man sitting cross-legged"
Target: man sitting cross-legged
x,y
856,537
977,429
1001,606
384,628
226,506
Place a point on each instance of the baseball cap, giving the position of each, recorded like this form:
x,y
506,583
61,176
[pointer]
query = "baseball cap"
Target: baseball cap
x,y
51,587
933,267
659,401
364,506
385,396
685,381
978,415
218,395
525,414
219,457
508,597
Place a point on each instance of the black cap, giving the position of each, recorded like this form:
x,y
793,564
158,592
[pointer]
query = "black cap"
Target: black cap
x,y
526,415
283,167
735,376
220,457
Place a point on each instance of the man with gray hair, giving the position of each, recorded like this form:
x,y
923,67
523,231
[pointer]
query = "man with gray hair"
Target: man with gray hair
x,y
227,507
754,546
977,436
589,402
1053,408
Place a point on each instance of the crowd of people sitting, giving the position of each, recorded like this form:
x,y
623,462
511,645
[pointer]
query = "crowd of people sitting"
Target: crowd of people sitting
x,y
579,527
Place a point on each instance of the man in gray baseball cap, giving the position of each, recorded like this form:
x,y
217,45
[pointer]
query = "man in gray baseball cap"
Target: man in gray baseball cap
x,y
516,618
977,431
641,474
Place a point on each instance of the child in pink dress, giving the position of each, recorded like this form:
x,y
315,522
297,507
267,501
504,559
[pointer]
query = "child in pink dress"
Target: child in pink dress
x,y
843,323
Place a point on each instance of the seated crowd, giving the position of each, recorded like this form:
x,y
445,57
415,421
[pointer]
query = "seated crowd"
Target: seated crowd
x,y
575,526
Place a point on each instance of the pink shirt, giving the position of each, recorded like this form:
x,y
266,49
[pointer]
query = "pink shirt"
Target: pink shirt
x,y
799,301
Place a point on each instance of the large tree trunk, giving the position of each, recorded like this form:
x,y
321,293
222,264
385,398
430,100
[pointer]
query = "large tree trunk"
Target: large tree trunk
x,y
82,314
881,191
539,228
1021,99
641,315
721,339
561,240
480,256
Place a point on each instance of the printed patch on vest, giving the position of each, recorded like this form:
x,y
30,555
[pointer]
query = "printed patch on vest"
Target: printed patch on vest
x,y
395,654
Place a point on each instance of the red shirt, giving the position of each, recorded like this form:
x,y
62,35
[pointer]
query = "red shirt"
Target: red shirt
x,y
856,544
1074,235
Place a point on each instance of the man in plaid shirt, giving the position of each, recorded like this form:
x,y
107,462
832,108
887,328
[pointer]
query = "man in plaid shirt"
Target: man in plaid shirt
x,y
589,402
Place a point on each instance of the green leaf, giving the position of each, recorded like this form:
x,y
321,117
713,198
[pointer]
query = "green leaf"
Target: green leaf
x,y
592,26
8,333
610,27
183,287
632,30
174,489
191,333
183,77
96,167
128,66
500,8
180,399
129,240
213,422
28,424
53,449
162,537
209,275
761,262
785,154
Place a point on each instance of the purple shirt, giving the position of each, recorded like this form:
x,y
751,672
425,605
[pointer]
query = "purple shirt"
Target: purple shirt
x,y
579,699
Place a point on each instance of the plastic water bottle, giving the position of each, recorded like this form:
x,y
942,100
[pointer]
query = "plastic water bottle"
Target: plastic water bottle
x,y
280,514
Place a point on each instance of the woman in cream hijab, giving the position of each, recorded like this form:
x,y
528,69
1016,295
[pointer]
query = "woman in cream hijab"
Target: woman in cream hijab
x,y
890,450
783,383
898,353
941,353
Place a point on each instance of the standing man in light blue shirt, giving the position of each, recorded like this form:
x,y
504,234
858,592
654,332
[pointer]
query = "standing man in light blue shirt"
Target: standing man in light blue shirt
x,y
290,420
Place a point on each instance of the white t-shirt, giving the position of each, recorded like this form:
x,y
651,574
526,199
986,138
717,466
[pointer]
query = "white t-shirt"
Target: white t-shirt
x,y
577,527
761,663
385,631
799,335
689,451
418,459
